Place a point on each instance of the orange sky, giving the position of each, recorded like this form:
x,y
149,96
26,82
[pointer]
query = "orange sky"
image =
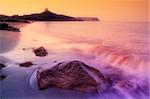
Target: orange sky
x,y
106,10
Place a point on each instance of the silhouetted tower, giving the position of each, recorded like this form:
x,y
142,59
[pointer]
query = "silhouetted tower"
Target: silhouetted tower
x,y
46,10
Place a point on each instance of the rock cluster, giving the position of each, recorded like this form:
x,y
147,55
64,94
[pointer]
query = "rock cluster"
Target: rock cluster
x,y
4,26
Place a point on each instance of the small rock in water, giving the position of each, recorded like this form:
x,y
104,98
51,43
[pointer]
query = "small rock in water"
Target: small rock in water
x,y
24,49
41,52
74,75
26,64
2,77
2,66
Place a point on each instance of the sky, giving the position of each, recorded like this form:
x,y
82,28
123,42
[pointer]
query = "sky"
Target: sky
x,y
106,10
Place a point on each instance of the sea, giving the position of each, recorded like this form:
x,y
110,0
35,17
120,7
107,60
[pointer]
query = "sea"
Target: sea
x,y
120,50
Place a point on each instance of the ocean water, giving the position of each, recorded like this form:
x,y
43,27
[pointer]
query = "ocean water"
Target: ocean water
x,y
118,49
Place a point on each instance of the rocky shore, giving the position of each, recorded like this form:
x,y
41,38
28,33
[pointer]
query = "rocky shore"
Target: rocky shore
x,y
4,26
68,75
72,79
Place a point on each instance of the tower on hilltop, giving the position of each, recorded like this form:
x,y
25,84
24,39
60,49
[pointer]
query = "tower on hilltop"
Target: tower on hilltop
x,y
46,10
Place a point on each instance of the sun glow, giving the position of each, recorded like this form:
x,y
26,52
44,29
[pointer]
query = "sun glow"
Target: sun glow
x,y
114,10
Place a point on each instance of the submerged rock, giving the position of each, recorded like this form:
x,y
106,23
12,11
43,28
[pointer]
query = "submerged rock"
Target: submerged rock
x,y
26,64
74,75
41,52
2,66
126,85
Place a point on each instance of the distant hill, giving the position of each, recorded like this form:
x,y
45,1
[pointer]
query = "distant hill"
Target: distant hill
x,y
47,16
44,16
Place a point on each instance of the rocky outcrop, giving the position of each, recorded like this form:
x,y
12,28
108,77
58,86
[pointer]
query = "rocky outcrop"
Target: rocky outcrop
x,y
74,75
44,16
50,16
41,52
26,64
4,26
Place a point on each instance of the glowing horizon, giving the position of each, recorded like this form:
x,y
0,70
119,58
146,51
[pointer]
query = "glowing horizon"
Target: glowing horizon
x,y
110,10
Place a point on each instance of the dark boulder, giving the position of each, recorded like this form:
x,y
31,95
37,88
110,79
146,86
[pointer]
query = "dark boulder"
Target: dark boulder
x,y
41,52
4,26
2,66
2,77
73,75
26,64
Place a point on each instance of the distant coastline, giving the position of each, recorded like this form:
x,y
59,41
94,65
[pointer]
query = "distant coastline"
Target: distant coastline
x,y
44,16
